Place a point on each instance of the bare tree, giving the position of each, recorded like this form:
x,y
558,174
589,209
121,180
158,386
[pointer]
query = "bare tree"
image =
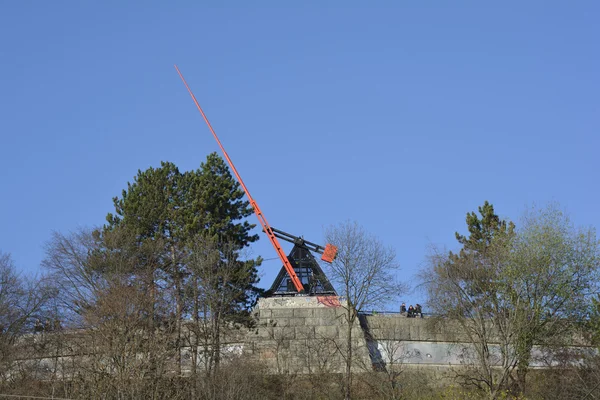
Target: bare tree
x,y
127,355
111,291
21,304
464,293
364,273
67,261
216,293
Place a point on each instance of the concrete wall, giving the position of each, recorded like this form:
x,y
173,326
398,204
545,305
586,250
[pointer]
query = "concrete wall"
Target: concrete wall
x,y
308,334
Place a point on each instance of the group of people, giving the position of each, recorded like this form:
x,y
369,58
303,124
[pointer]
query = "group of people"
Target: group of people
x,y
412,312
47,326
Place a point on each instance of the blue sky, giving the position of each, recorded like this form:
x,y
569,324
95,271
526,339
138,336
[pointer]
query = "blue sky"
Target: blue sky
x,y
402,116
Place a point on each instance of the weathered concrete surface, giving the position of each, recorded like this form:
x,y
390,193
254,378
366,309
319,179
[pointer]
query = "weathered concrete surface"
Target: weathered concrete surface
x,y
399,327
295,335
304,334
308,334
396,339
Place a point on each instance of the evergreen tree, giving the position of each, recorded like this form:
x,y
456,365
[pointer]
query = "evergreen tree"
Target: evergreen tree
x,y
215,204
482,231
488,234
177,209
150,206
215,213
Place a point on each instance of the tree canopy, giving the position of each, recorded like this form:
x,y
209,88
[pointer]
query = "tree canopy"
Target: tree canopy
x,y
511,288
161,225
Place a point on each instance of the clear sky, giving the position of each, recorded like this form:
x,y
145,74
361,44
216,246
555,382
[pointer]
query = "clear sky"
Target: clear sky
x,y
402,116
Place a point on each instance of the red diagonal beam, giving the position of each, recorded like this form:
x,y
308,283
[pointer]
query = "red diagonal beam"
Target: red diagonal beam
x,y
257,211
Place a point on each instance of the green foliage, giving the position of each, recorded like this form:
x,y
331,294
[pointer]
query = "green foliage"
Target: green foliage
x,y
553,274
478,268
562,259
515,288
593,323
164,205
215,205
483,231
151,204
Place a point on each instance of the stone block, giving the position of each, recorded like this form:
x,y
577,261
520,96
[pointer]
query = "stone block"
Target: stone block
x,y
259,334
282,312
298,348
325,312
264,333
284,333
289,302
327,332
264,346
279,322
272,322
276,333
303,312
297,321
320,322
304,332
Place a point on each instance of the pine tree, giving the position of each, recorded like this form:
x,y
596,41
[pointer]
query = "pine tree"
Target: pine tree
x,y
482,231
180,210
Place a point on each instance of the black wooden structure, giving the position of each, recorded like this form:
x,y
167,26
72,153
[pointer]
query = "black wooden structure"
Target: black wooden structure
x,y
306,267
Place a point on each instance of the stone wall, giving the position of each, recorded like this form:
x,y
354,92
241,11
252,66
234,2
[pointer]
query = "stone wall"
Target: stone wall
x,y
308,335
304,335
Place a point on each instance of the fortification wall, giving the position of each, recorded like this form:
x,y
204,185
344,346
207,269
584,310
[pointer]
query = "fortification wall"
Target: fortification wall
x,y
308,334
303,335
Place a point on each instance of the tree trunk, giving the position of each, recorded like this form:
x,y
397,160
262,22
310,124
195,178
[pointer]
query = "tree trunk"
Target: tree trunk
x,y
195,341
522,370
350,320
523,364
179,308
217,344
206,340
